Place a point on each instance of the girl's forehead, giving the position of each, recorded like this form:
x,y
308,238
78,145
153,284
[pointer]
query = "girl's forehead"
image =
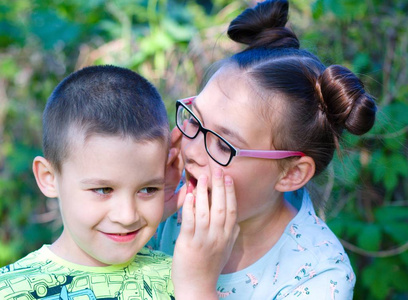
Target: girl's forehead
x,y
229,104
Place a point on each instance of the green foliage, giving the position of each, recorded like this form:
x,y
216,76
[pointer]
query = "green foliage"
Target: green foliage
x,y
371,187
172,43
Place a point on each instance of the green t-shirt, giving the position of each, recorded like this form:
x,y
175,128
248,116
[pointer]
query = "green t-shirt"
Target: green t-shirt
x,y
43,275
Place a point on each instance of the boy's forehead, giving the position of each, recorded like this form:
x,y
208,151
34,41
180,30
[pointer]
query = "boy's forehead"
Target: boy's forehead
x,y
79,140
114,153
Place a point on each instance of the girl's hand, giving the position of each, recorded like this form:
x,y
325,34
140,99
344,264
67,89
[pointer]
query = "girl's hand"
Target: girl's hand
x,y
206,239
174,168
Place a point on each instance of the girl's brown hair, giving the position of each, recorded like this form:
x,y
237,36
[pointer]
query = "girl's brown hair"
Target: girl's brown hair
x,y
318,103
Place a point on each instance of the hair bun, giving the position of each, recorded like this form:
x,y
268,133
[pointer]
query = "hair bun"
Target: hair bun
x,y
345,101
264,26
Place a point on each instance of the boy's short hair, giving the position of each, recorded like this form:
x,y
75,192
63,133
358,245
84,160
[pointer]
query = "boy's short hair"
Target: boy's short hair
x,y
103,100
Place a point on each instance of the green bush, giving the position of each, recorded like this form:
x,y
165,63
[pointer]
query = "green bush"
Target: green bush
x,y
172,43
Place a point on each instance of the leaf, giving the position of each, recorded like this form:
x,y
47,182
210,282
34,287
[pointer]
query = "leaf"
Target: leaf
x,y
361,62
10,34
8,68
20,158
347,169
386,214
388,168
347,9
400,279
398,231
395,115
52,29
353,227
337,226
404,258
370,237
178,32
317,9
378,277
158,40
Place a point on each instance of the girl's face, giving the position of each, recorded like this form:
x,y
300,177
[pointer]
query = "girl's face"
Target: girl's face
x,y
227,106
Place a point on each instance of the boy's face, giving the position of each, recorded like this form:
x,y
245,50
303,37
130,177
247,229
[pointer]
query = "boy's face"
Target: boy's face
x,y
111,193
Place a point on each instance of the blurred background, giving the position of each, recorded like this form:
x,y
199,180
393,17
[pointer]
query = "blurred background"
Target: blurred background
x,y
172,43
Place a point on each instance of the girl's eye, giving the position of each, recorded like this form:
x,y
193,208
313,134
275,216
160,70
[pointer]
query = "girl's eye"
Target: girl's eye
x,y
148,190
103,191
193,122
222,146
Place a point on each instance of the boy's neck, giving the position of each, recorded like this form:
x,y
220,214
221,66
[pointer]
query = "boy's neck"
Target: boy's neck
x,y
61,248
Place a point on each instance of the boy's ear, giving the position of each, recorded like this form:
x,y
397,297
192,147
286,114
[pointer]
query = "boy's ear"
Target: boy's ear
x,y
44,174
297,175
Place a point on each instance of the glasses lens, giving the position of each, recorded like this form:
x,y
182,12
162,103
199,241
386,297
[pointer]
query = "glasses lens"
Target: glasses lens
x,y
186,122
218,149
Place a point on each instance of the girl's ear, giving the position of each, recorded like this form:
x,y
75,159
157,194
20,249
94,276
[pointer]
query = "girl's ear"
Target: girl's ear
x,y
45,176
297,175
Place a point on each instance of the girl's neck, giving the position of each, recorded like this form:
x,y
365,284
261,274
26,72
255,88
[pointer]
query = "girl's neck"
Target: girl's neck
x,y
258,235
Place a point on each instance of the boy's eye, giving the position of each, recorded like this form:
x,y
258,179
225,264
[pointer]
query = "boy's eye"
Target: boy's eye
x,y
148,190
103,191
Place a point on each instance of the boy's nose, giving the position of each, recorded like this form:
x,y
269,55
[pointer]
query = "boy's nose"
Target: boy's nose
x,y
194,150
124,211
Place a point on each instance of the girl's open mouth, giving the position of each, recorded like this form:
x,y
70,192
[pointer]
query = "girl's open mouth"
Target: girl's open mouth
x,y
191,184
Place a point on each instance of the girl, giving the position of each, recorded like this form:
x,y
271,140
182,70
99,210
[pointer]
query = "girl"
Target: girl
x,y
270,118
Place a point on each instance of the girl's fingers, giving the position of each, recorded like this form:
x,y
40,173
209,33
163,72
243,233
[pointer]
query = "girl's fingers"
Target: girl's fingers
x,y
188,223
202,216
218,201
231,205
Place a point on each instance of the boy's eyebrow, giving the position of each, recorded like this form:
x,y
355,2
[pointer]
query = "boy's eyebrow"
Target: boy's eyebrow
x,y
155,181
103,182
223,130
95,181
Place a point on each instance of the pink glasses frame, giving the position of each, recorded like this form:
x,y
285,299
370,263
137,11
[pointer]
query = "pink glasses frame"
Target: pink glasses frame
x,y
268,154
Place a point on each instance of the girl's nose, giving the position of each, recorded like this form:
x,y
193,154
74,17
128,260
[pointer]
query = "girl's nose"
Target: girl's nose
x,y
194,150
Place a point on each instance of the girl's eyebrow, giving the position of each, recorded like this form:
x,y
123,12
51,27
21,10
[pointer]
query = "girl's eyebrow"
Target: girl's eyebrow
x,y
221,130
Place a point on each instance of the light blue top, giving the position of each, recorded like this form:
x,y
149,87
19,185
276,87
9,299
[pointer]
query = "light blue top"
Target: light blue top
x,y
307,262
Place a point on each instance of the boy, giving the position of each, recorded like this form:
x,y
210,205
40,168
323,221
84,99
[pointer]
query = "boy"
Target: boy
x,y
105,142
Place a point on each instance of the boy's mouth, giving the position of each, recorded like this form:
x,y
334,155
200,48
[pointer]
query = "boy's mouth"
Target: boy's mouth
x,y
122,237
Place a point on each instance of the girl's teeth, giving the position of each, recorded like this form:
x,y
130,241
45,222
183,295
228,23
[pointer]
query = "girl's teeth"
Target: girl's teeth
x,y
190,188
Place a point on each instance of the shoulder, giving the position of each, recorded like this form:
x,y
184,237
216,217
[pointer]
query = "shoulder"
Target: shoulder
x,y
30,263
309,235
313,259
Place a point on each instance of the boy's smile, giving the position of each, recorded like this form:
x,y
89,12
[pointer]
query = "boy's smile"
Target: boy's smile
x,y
111,193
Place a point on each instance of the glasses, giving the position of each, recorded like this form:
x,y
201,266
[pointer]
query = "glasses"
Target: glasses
x,y
218,148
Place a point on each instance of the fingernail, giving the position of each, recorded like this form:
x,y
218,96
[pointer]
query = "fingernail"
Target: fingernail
x,y
218,173
228,180
203,179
